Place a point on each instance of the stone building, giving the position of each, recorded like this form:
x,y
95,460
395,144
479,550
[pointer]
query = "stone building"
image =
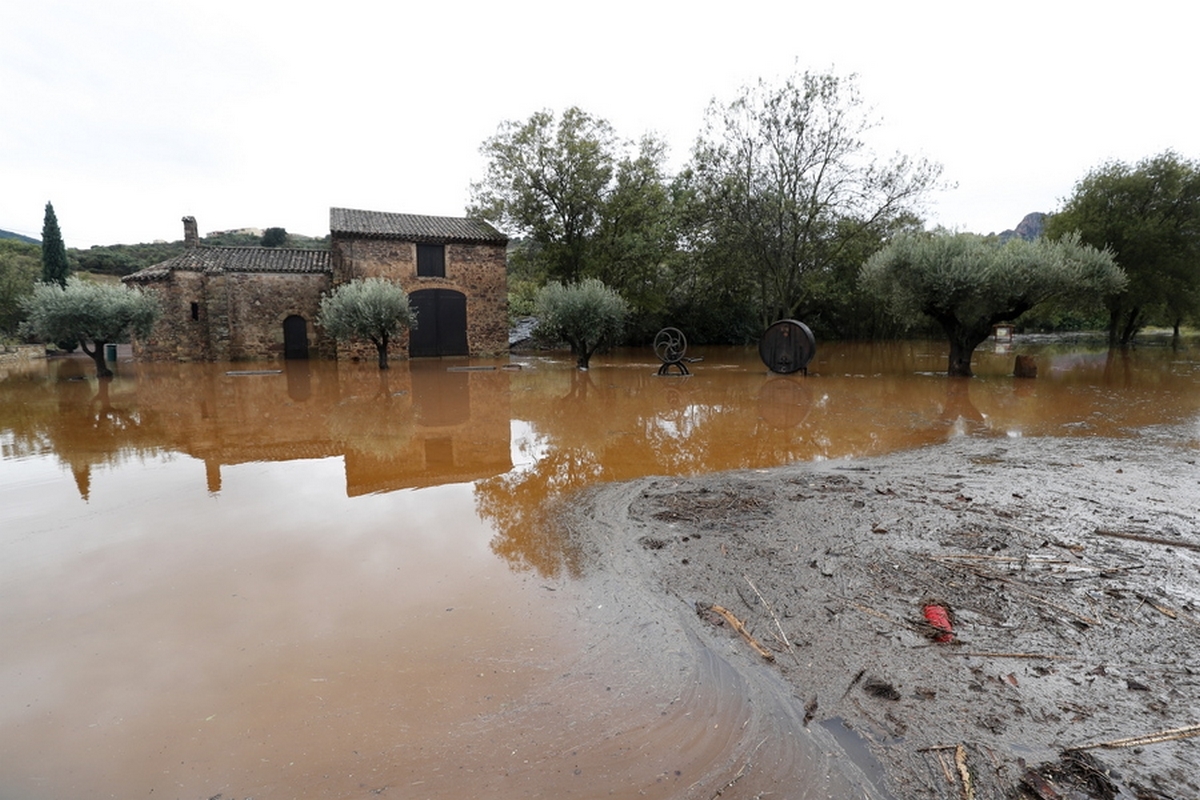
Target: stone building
x,y
256,303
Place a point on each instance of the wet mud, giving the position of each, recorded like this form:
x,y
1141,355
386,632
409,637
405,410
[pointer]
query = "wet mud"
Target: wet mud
x,y
986,618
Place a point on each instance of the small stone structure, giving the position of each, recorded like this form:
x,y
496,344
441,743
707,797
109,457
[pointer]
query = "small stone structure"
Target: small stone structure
x,y
256,303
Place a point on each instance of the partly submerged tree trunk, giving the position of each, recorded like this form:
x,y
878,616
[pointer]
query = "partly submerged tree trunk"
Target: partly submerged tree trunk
x,y
1133,324
582,350
962,347
1114,322
585,357
97,356
381,345
963,341
966,336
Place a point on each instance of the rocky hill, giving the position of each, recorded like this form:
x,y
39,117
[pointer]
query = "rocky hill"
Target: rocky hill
x,y
1028,228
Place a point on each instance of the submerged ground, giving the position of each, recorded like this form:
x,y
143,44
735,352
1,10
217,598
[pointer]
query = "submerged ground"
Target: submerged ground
x,y
328,581
1070,569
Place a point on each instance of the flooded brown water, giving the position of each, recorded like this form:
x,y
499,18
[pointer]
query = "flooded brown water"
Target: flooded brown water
x,y
321,580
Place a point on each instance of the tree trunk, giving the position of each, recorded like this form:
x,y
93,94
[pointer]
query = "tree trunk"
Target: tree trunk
x,y
381,345
960,358
1132,324
97,356
963,341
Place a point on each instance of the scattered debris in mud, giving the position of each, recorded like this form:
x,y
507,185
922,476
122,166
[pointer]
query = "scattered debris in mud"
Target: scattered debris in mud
x,y
995,618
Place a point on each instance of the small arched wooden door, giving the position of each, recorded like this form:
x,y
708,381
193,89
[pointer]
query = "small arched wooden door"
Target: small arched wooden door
x,y
441,323
295,337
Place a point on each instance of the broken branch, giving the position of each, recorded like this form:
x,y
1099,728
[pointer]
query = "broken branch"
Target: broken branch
x,y
770,611
1149,738
738,626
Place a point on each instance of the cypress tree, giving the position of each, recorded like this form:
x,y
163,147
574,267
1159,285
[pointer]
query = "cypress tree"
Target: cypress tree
x,y
54,253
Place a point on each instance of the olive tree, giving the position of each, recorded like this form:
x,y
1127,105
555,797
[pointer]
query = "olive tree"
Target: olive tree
x,y
587,316
968,283
367,308
92,314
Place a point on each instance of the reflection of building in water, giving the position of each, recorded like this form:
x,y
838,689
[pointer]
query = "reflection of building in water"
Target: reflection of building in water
x,y
394,429
459,433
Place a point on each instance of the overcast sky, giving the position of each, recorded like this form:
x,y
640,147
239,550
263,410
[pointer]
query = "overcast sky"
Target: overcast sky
x,y
128,115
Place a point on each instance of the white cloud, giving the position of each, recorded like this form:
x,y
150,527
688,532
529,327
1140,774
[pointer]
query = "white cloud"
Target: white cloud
x,y
128,115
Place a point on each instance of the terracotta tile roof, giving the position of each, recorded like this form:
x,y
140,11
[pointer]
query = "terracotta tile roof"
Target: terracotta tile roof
x,y
237,259
413,227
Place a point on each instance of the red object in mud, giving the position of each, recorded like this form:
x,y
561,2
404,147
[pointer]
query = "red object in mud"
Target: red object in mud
x,y
939,617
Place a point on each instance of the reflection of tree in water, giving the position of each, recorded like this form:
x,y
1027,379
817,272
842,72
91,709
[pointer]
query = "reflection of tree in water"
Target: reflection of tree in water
x,y
78,420
379,425
518,502
520,506
959,410
596,433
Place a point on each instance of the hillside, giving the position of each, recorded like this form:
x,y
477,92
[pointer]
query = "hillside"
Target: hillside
x,y
124,259
19,237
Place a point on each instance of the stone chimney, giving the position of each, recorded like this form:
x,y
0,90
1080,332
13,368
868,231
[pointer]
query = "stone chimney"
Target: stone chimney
x,y
191,238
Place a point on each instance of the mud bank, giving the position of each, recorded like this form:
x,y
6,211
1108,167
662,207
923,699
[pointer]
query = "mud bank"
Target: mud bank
x,y
1069,571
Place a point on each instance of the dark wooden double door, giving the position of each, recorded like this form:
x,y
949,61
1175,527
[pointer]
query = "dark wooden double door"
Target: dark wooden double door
x,y
441,323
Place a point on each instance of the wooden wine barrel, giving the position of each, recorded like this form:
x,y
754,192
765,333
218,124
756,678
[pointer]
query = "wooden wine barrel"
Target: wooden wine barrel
x,y
787,347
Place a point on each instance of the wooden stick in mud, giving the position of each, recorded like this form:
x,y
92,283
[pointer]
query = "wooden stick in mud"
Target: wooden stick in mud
x,y
1166,612
960,764
1020,560
950,779
1010,655
738,626
960,761
882,616
1148,539
1150,738
1016,585
771,611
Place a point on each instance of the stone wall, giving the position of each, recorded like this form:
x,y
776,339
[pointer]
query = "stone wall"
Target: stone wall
x,y
176,335
235,316
255,306
478,271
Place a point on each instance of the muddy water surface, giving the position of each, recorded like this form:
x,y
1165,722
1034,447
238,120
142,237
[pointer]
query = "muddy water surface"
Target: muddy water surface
x,y
324,581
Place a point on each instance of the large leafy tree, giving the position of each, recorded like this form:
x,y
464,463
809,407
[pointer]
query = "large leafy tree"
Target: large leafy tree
x,y
968,283
367,308
55,266
546,182
634,247
784,185
582,203
586,315
1148,214
92,314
